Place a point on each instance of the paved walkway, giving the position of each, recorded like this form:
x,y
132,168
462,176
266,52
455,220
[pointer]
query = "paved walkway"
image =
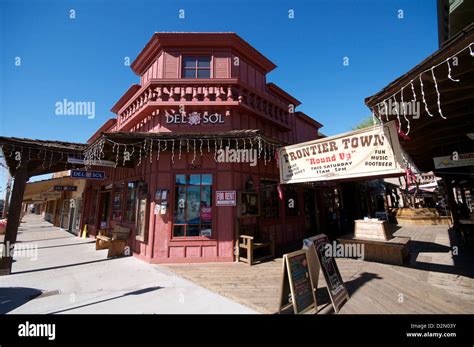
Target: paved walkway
x,y
436,280
70,276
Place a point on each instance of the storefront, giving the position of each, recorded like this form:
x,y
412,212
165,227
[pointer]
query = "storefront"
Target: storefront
x,y
59,199
195,147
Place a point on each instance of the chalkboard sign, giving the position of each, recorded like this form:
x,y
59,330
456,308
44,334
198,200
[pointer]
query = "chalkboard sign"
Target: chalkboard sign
x,y
335,284
297,289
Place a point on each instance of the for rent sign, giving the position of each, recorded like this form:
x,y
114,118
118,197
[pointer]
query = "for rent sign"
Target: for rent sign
x,y
368,152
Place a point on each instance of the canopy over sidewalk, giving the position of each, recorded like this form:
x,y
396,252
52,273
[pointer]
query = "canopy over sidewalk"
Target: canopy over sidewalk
x,y
25,158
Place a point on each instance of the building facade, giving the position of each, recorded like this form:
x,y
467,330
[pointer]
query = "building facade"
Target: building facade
x,y
195,146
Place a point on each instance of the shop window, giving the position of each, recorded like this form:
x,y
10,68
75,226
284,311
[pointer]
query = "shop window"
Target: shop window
x,y
269,200
291,201
131,201
196,67
141,229
117,203
193,205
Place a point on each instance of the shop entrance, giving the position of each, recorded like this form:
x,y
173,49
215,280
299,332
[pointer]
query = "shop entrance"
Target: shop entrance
x,y
311,212
104,206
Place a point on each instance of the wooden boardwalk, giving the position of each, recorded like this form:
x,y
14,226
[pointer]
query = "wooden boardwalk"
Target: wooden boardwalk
x,y
436,281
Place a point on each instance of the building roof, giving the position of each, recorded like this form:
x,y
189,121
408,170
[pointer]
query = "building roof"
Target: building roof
x,y
308,119
107,126
161,40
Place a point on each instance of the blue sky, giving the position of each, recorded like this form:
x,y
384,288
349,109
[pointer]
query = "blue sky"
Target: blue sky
x,y
82,59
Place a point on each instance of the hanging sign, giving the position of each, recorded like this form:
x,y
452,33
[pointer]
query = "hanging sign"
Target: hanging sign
x,y
446,162
373,151
226,198
94,175
65,188
324,261
296,288
106,163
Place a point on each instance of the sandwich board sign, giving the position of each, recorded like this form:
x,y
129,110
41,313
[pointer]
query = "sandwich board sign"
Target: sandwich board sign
x,y
320,259
297,288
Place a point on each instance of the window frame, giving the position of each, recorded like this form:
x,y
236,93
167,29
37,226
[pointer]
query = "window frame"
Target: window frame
x,y
196,68
122,201
262,196
213,235
125,195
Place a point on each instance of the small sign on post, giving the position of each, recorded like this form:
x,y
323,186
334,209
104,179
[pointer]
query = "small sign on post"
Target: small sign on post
x,y
296,288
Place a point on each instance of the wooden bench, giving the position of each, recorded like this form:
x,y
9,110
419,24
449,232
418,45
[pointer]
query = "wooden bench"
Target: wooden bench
x,y
114,241
395,251
118,243
102,240
250,241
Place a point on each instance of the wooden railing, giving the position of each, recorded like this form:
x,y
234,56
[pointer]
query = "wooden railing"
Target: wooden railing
x,y
216,91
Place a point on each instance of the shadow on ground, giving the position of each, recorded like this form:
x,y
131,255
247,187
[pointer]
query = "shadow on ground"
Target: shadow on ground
x,y
13,297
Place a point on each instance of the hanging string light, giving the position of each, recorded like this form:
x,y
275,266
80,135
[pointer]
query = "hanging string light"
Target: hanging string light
x,y
194,150
117,156
151,150
447,62
423,97
437,93
449,72
140,158
172,150
158,151
405,113
124,156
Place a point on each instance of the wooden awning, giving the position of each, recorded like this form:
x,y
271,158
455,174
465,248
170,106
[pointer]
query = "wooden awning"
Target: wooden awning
x,y
436,135
42,156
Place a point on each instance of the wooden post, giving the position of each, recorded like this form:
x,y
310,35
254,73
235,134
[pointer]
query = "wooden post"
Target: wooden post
x,y
451,200
14,216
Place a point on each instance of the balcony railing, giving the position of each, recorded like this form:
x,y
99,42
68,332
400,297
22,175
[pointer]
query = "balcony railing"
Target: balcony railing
x,y
217,92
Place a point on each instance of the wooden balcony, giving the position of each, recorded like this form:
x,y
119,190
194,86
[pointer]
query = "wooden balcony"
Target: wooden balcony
x,y
202,93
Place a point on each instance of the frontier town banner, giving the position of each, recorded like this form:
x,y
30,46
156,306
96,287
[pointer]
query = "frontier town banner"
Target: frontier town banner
x,y
368,152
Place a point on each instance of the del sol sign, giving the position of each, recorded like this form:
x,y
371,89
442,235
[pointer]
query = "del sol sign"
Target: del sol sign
x,y
195,118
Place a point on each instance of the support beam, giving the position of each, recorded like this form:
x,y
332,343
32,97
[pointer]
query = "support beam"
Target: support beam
x,y
14,216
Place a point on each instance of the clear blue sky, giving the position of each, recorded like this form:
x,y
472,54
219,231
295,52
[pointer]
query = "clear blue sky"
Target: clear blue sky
x,y
83,59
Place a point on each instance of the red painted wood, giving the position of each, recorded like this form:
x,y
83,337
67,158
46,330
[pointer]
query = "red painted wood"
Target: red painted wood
x,y
163,70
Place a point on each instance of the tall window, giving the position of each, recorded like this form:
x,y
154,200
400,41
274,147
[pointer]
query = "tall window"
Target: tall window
x,y
196,67
117,208
270,205
131,201
193,205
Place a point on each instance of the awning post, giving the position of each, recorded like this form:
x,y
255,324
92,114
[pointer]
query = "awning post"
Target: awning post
x,y
14,216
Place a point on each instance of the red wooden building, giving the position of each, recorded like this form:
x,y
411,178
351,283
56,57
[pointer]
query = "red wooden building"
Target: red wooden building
x,y
203,101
